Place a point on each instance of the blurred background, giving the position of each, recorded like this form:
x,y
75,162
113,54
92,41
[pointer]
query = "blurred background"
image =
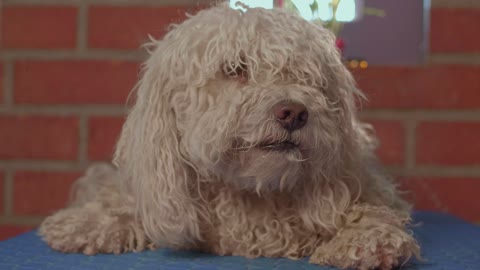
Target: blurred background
x,y
67,66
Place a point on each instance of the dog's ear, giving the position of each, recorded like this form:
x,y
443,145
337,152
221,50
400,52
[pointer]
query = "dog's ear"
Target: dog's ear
x,y
162,183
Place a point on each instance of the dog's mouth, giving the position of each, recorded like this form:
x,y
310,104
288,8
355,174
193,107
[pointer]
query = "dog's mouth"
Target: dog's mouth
x,y
279,145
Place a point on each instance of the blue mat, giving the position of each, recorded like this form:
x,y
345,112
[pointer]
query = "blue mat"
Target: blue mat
x,y
447,243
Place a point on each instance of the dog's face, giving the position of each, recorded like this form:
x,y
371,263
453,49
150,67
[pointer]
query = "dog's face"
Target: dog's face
x,y
254,133
265,101
258,101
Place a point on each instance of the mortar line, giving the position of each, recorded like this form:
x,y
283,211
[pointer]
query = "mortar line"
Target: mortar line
x,y
8,74
423,115
133,55
21,220
455,4
120,110
439,171
83,140
82,24
8,193
410,144
50,165
458,59
63,110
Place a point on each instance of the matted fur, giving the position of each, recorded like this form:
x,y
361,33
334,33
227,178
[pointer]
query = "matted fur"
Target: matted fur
x,y
191,170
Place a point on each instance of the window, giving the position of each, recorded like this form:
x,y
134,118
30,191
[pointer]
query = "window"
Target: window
x,y
252,3
382,32
346,11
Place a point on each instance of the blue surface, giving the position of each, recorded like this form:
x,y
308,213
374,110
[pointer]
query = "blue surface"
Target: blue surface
x,y
447,243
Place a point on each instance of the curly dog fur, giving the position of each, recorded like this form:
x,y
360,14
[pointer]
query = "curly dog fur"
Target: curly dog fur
x,y
204,163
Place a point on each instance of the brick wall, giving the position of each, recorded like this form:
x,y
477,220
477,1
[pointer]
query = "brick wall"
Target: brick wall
x,y
66,68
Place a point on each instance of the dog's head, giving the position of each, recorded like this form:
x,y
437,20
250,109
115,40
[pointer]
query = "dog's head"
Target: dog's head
x,y
259,100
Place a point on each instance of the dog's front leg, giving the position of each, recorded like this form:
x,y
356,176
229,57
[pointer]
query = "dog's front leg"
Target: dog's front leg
x,y
372,237
92,230
100,219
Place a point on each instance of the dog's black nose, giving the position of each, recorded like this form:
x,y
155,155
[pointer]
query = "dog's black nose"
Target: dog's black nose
x,y
291,116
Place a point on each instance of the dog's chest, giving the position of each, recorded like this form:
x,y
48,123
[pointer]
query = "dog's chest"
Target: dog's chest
x,y
249,225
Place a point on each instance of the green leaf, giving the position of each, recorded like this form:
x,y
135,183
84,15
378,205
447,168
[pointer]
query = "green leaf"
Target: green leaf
x,y
314,6
374,12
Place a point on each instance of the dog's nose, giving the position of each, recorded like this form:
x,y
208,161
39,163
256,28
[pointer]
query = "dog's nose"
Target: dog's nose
x,y
291,116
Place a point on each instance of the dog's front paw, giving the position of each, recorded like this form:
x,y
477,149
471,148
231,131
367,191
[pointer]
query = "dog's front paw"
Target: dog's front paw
x,y
377,249
90,232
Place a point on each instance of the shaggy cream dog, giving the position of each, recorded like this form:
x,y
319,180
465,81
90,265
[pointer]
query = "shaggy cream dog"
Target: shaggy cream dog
x,y
243,140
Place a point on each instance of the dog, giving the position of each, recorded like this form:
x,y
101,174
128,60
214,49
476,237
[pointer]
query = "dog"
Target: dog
x,y
243,140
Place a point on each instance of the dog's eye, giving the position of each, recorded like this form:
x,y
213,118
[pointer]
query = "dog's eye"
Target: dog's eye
x,y
235,71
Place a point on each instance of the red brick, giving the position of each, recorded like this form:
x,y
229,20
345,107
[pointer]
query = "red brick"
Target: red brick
x,y
38,27
433,87
41,193
8,231
74,82
106,30
391,135
458,196
102,136
448,143
455,30
38,137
